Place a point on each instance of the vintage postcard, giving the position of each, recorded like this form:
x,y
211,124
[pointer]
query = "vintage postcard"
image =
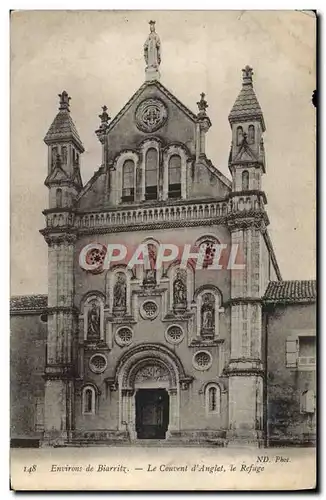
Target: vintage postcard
x,y
163,316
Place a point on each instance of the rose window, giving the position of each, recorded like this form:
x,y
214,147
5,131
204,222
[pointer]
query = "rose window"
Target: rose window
x,y
150,115
209,251
124,336
202,360
96,256
98,363
149,309
174,334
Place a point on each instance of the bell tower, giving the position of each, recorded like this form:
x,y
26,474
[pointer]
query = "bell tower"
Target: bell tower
x,y
247,221
64,183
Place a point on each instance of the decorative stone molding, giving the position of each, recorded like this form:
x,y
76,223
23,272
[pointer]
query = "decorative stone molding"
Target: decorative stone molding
x,y
129,218
58,238
202,360
149,309
124,336
152,372
140,355
98,363
150,115
174,334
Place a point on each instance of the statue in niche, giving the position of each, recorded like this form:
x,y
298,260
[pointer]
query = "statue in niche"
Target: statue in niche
x,y
150,264
152,48
94,321
120,293
180,290
208,314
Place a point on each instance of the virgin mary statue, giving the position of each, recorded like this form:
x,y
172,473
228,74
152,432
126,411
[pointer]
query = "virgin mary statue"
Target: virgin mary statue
x,y
152,48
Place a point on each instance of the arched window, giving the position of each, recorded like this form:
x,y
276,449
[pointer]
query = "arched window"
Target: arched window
x,y
239,135
54,154
251,134
245,180
175,176
88,400
75,158
128,181
213,399
151,165
58,196
64,154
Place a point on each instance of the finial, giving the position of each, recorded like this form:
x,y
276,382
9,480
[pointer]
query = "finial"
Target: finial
x,y
104,117
152,54
64,101
247,73
202,104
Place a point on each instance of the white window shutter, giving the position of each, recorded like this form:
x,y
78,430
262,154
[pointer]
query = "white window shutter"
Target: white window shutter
x,y
292,351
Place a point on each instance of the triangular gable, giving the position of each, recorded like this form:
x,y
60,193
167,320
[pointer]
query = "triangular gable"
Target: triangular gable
x,y
57,175
245,153
138,93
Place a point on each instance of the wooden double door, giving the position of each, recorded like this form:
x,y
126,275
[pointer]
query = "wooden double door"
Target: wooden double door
x,y
152,413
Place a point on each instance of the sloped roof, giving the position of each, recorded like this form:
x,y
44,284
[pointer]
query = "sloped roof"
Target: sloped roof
x,y
291,291
246,106
28,303
63,128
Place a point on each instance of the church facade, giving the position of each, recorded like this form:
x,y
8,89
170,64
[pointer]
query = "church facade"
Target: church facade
x,y
182,352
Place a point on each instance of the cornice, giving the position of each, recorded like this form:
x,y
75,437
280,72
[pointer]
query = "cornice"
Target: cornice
x,y
153,225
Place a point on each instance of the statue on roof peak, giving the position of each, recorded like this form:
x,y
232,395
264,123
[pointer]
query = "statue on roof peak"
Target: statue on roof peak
x,y
152,48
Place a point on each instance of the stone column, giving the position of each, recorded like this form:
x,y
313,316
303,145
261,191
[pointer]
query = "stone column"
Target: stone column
x,y
173,411
245,368
59,370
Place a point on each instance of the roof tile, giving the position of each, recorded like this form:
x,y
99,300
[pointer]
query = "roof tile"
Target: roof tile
x,y
64,128
291,291
28,302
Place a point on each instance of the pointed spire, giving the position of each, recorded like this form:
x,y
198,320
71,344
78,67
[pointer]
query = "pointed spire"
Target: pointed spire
x,y
64,101
246,106
63,127
152,54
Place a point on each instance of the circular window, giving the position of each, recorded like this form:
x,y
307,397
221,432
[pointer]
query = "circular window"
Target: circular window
x,y
123,336
202,360
96,256
149,310
151,114
98,363
174,334
44,318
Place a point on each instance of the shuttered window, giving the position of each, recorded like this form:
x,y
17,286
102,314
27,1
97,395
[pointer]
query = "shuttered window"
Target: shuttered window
x,y
292,351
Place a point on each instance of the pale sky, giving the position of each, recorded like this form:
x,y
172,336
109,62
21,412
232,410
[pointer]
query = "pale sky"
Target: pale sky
x,y
97,56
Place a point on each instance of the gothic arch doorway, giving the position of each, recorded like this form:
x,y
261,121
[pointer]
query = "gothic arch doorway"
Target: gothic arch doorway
x,y
149,378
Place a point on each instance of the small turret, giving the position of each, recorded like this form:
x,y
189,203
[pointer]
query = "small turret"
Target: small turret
x,y
247,155
64,149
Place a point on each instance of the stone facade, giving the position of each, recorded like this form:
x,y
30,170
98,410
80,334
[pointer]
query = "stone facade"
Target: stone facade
x,y
198,344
